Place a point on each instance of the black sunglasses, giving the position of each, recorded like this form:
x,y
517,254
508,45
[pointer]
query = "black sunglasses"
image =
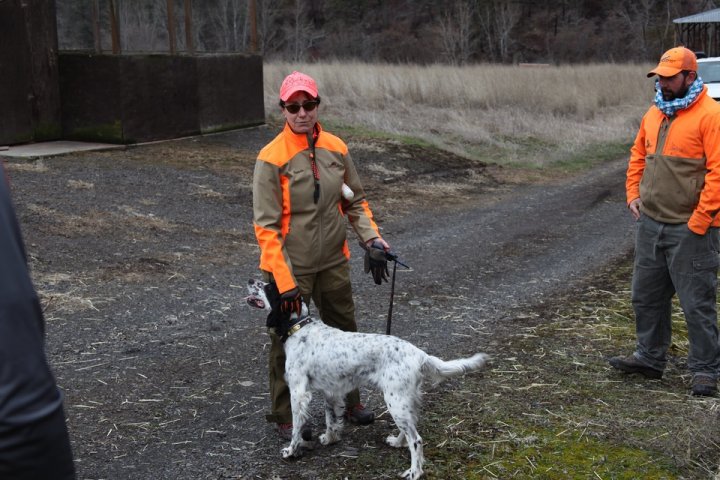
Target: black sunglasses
x,y
308,106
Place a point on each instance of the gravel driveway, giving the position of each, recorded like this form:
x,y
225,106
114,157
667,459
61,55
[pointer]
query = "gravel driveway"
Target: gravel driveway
x,y
141,256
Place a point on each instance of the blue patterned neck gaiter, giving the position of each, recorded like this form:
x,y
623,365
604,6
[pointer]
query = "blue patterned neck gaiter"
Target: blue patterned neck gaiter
x,y
671,107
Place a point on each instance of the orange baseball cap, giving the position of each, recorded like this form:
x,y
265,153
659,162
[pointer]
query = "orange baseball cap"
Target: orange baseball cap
x,y
675,61
298,82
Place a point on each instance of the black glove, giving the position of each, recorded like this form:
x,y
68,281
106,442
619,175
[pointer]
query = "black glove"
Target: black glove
x,y
291,301
376,262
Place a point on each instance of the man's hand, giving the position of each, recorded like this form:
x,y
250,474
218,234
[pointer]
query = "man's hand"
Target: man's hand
x,y
634,208
291,301
376,261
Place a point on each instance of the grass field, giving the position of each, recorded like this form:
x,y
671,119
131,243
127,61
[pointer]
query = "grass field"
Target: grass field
x,y
536,116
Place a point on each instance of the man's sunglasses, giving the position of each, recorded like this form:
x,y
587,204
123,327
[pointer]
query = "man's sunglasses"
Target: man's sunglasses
x,y
308,106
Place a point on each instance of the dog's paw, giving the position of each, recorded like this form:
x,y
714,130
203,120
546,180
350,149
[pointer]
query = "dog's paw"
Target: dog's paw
x,y
288,452
396,442
411,474
328,439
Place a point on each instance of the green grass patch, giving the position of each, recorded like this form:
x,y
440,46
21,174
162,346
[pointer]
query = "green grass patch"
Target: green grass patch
x,y
590,156
554,454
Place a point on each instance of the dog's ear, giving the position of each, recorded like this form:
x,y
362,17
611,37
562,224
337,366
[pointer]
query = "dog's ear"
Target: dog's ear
x,y
256,302
273,294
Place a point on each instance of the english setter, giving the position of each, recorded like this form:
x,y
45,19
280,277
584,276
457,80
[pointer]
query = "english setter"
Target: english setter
x,y
336,362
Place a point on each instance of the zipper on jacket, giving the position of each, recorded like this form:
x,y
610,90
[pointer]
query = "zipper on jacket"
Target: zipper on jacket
x,y
663,134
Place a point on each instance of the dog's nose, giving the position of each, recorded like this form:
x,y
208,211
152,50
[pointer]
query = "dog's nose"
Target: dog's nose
x,y
251,282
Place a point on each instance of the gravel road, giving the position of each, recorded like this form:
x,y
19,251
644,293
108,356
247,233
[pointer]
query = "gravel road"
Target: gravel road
x,y
141,257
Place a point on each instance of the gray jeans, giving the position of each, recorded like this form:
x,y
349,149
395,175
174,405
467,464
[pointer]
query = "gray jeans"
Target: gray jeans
x,y
672,259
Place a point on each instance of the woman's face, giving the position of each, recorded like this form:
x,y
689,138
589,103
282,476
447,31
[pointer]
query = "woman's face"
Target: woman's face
x,y
303,121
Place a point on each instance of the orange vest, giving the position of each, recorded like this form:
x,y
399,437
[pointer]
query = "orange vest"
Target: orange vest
x,y
674,165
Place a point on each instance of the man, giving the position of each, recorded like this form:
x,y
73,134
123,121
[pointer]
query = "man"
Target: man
x,y
34,443
673,191
299,213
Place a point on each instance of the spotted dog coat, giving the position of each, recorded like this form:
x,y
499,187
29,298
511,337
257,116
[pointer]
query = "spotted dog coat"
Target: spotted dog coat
x,y
335,362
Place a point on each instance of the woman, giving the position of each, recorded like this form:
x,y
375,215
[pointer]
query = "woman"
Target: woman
x,y
299,213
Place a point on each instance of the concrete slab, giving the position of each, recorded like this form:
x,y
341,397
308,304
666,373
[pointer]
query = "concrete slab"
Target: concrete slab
x,y
49,149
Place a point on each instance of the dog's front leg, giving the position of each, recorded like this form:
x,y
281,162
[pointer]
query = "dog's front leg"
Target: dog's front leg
x,y
300,398
334,420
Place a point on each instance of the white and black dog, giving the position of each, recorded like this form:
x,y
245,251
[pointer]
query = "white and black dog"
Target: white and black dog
x,y
336,362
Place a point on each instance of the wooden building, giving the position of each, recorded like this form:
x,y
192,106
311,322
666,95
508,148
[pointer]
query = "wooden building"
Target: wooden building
x,y
700,32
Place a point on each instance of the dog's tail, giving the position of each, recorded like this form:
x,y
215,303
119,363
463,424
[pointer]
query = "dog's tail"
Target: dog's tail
x,y
436,370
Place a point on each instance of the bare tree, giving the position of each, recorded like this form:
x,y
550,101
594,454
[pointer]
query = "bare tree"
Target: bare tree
x,y
143,27
637,17
228,21
497,18
457,32
302,33
268,12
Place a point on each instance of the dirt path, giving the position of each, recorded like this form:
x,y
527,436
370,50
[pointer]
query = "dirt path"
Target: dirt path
x,y
141,257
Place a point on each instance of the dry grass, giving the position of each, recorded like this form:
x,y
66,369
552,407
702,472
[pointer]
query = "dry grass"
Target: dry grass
x,y
492,112
555,410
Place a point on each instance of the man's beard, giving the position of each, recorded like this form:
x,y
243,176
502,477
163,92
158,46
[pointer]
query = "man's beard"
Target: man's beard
x,y
669,95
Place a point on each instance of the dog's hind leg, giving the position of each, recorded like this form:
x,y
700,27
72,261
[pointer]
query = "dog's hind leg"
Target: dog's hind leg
x,y
402,411
334,419
300,396
393,403
415,445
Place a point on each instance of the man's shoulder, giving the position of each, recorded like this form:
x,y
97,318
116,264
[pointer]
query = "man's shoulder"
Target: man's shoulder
x,y
705,105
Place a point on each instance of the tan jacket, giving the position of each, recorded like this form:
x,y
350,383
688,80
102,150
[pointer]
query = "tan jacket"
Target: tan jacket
x,y
674,165
296,235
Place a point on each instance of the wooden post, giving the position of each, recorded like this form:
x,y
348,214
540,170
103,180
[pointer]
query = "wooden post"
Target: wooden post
x,y
114,28
171,25
252,9
189,46
96,26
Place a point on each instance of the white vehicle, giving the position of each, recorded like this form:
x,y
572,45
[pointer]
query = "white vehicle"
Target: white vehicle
x,y
709,71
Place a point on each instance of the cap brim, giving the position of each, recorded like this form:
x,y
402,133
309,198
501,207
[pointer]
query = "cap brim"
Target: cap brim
x,y
293,91
664,71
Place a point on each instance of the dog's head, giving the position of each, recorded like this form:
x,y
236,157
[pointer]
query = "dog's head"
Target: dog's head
x,y
258,297
265,296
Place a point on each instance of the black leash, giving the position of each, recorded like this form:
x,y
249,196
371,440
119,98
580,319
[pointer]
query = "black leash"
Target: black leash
x,y
390,257
392,297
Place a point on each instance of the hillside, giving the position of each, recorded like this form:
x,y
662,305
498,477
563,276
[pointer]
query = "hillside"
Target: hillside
x,y
416,31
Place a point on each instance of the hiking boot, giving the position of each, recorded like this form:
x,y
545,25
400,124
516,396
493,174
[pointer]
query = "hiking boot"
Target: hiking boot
x,y
703,385
285,430
359,415
631,364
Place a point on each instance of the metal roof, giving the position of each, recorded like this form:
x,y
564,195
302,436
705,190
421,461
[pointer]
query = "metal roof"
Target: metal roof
x,y
711,16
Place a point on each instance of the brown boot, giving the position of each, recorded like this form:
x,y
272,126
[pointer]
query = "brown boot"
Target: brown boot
x,y
703,385
631,364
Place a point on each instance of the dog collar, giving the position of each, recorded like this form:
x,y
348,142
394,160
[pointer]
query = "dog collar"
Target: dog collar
x,y
299,325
